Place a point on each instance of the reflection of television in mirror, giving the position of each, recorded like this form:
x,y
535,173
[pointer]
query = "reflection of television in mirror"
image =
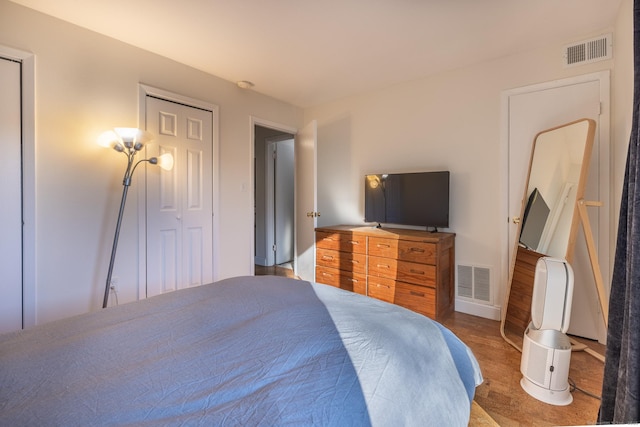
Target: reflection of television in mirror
x,y
419,199
535,217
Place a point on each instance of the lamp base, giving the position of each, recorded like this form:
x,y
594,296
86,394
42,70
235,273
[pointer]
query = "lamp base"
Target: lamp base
x,y
552,397
546,356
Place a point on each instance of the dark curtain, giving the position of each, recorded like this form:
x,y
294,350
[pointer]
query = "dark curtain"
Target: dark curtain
x,y
621,385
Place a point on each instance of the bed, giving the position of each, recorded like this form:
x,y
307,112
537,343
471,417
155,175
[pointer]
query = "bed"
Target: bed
x,y
244,351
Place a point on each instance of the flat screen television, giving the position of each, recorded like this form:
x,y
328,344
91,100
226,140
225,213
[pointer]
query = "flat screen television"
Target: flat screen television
x,y
418,199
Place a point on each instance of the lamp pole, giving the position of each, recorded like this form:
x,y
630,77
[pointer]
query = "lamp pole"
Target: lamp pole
x,y
127,141
115,245
126,182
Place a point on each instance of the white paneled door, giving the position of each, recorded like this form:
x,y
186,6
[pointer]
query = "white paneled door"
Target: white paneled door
x,y
11,196
537,108
180,201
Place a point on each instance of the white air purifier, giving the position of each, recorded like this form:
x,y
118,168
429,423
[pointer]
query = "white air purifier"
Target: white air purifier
x,y
546,350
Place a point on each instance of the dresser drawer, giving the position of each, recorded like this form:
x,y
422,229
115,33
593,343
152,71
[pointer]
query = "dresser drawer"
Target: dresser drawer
x,y
421,252
344,242
350,281
381,288
405,250
347,261
411,272
387,248
416,298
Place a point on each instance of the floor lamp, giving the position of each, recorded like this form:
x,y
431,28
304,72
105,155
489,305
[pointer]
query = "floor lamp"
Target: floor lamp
x,y
128,141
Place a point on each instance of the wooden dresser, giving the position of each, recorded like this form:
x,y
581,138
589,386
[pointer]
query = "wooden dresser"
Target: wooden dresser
x,y
411,268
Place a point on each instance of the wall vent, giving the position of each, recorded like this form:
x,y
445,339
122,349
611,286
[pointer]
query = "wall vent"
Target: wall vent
x,y
587,51
474,282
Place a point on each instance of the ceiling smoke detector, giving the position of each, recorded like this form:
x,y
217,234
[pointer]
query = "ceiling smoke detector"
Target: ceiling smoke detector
x,y
245,84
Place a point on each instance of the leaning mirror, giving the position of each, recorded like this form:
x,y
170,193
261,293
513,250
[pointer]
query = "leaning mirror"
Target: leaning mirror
x,y
550,216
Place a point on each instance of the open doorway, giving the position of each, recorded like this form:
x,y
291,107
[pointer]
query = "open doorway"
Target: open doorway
x,y
274,201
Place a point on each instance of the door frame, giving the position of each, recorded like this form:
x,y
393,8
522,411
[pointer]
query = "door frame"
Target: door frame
x,y
256,121
143,92
603,131
28,99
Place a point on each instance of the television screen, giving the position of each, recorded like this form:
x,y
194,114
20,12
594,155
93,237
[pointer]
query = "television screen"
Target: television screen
x,y
420,199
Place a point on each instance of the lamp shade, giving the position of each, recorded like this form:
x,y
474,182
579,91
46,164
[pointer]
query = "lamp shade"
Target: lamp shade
x,y
119,138
133,136
108,139
165,161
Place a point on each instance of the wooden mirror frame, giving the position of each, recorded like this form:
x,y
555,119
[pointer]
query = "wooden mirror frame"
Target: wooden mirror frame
x,y
516,312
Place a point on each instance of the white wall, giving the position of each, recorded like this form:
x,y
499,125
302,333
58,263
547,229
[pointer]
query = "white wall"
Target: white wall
x,y
449,121
87,83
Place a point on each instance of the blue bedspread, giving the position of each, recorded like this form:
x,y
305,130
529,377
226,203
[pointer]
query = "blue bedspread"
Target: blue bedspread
x,y
246,351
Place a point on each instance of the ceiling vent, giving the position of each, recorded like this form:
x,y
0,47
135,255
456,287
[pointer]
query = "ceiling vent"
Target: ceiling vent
x,y
587,51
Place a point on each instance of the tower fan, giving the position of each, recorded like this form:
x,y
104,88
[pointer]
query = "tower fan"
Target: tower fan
x,y
546,350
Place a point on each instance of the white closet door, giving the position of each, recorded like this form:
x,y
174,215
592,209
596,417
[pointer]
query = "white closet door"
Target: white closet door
x,y
11,197
180,201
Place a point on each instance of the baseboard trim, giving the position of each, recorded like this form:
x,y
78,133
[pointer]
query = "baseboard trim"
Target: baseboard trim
x,y
480,310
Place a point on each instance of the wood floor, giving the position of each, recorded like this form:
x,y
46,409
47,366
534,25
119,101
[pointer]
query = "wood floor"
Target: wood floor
x,y
500,395
275,270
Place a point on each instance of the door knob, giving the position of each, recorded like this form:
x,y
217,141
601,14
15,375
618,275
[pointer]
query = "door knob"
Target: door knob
x,y
313,214
516,220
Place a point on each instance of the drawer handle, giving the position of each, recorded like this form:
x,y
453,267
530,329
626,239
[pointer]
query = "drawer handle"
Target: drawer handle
x,y
353,242
327,274
354,280
382,286
382,266
380,245
327,257
416,271
417,250
355,261
418,294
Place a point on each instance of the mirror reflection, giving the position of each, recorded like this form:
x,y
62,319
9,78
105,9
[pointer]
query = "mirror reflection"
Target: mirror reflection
x,y
557,174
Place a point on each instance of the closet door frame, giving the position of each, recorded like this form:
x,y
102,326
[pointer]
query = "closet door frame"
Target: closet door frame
x,y
29,275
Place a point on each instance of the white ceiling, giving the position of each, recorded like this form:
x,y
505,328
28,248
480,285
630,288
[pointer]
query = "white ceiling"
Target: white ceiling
x,y
308,52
